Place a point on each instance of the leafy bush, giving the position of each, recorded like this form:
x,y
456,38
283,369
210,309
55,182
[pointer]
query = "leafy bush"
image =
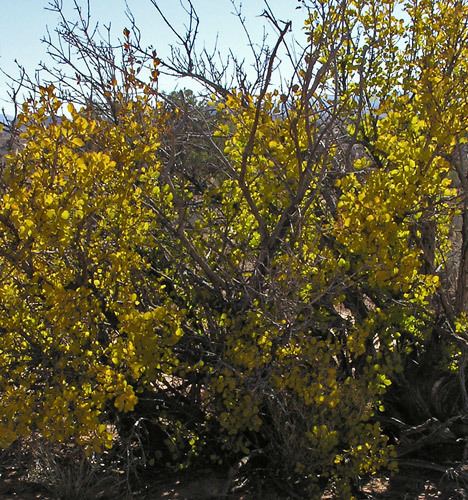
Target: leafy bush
x,y
264,310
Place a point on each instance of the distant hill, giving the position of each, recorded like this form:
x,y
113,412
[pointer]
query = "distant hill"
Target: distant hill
x,y
4,136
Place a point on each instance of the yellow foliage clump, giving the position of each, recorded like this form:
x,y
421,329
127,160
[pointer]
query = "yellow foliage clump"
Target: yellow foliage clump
x,y
267,307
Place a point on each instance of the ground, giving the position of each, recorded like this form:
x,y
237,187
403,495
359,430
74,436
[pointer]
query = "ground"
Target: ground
x,y
407,484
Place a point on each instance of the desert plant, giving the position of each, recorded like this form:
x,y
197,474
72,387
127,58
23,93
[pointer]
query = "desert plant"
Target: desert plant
x,y
263,305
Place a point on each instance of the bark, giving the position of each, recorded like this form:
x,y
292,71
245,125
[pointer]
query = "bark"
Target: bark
x,y
461,165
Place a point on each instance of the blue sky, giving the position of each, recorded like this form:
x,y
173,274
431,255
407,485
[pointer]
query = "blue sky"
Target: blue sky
x,y
23,23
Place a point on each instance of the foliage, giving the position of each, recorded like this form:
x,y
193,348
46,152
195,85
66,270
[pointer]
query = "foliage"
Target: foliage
x,y
263,306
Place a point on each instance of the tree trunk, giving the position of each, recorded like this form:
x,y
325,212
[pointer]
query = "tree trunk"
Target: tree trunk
x,y
461,164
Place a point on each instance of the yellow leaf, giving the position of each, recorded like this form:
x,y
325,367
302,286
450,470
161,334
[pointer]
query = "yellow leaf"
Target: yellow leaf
x,y
77,142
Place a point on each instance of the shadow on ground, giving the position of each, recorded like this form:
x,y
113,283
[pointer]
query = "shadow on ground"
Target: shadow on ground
x,y
407,484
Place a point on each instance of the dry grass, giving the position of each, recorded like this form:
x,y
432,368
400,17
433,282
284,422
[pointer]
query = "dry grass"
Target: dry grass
x,y
75,477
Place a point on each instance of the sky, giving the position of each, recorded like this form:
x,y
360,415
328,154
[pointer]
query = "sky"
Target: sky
x,y
24,22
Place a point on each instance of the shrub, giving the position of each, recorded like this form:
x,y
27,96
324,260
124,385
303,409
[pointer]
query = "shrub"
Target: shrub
x,y
264,309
